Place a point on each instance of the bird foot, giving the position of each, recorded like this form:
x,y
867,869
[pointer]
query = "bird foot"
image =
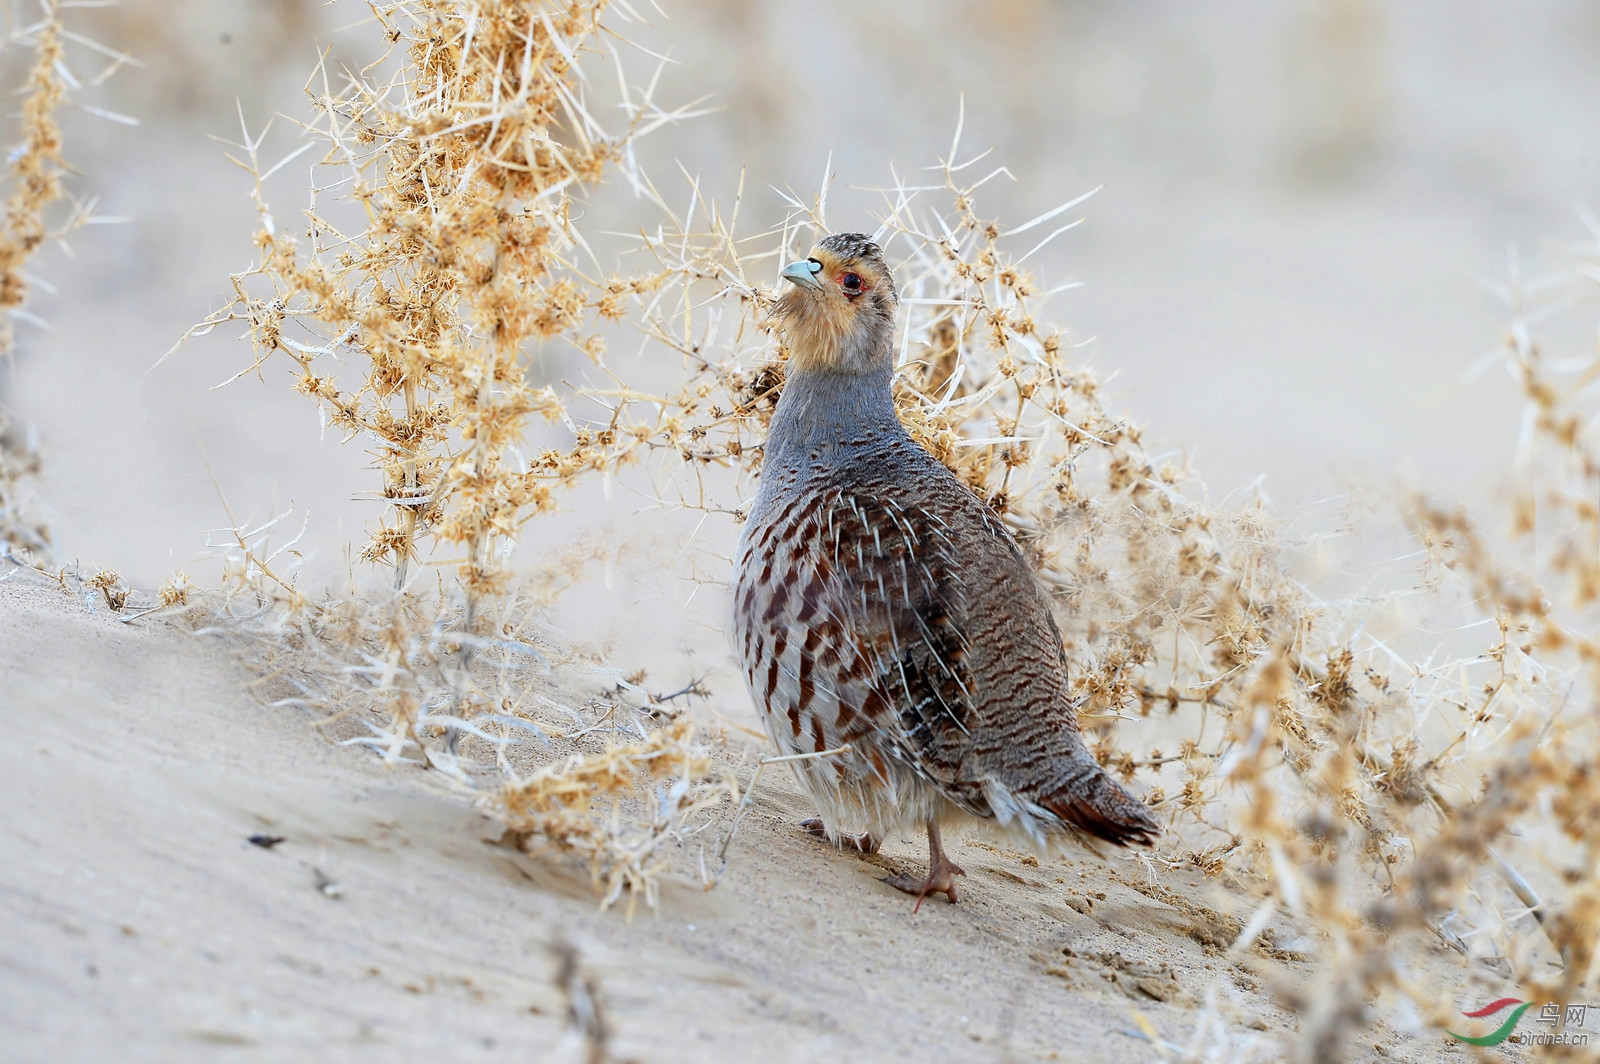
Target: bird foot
x,y
863,843
941,880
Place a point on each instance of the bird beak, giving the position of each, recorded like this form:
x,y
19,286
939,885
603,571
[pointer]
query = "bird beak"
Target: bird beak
x,y
803,273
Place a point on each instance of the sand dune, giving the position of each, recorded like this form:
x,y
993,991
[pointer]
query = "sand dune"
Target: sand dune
x,y
144,925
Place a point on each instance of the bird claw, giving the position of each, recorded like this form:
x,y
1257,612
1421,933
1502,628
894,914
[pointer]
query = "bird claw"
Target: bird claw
x,y
941,880
864,843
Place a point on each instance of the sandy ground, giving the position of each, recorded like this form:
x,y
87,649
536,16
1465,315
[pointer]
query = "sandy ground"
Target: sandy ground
x,y
142,925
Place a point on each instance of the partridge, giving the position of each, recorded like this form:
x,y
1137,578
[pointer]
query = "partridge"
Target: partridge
x,y
885,617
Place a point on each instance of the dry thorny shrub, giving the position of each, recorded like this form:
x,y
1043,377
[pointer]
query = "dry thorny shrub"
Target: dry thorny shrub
x,y
1393,802
36,178
448,256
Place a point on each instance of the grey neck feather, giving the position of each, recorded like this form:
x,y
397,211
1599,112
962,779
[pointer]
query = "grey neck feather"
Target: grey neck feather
x,y
826,418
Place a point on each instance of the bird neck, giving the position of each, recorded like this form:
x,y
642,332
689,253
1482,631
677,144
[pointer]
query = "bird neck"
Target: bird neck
x,y
825,417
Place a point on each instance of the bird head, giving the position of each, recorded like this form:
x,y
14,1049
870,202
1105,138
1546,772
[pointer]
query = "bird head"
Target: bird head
x,y
838,314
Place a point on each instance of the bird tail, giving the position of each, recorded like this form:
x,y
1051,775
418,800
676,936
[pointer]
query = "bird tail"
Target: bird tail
x,y
1095,804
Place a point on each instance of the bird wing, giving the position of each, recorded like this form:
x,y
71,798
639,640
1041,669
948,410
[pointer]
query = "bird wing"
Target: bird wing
x,y
966,670
905,604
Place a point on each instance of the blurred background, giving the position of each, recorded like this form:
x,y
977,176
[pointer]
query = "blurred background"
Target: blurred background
x,y
1281,270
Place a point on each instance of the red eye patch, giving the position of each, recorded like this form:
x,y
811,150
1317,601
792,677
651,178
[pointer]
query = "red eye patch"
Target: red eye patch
x,y
850,284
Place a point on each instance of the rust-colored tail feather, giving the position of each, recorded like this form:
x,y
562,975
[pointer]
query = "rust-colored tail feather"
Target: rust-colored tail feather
x,y
1097,805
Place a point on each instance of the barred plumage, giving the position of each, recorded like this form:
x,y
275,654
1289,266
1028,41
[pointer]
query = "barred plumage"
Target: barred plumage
x,y
880,605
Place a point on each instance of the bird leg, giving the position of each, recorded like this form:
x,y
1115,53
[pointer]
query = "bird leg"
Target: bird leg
x,y
942,872
864,842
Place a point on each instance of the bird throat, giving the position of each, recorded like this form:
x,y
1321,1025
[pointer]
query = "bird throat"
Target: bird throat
x,y
828,332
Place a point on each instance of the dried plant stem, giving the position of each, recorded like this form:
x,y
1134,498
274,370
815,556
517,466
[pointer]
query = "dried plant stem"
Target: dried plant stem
x,y
36,170
408,512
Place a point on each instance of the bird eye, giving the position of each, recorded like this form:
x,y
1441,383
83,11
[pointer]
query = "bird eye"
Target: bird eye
x,y
850,282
